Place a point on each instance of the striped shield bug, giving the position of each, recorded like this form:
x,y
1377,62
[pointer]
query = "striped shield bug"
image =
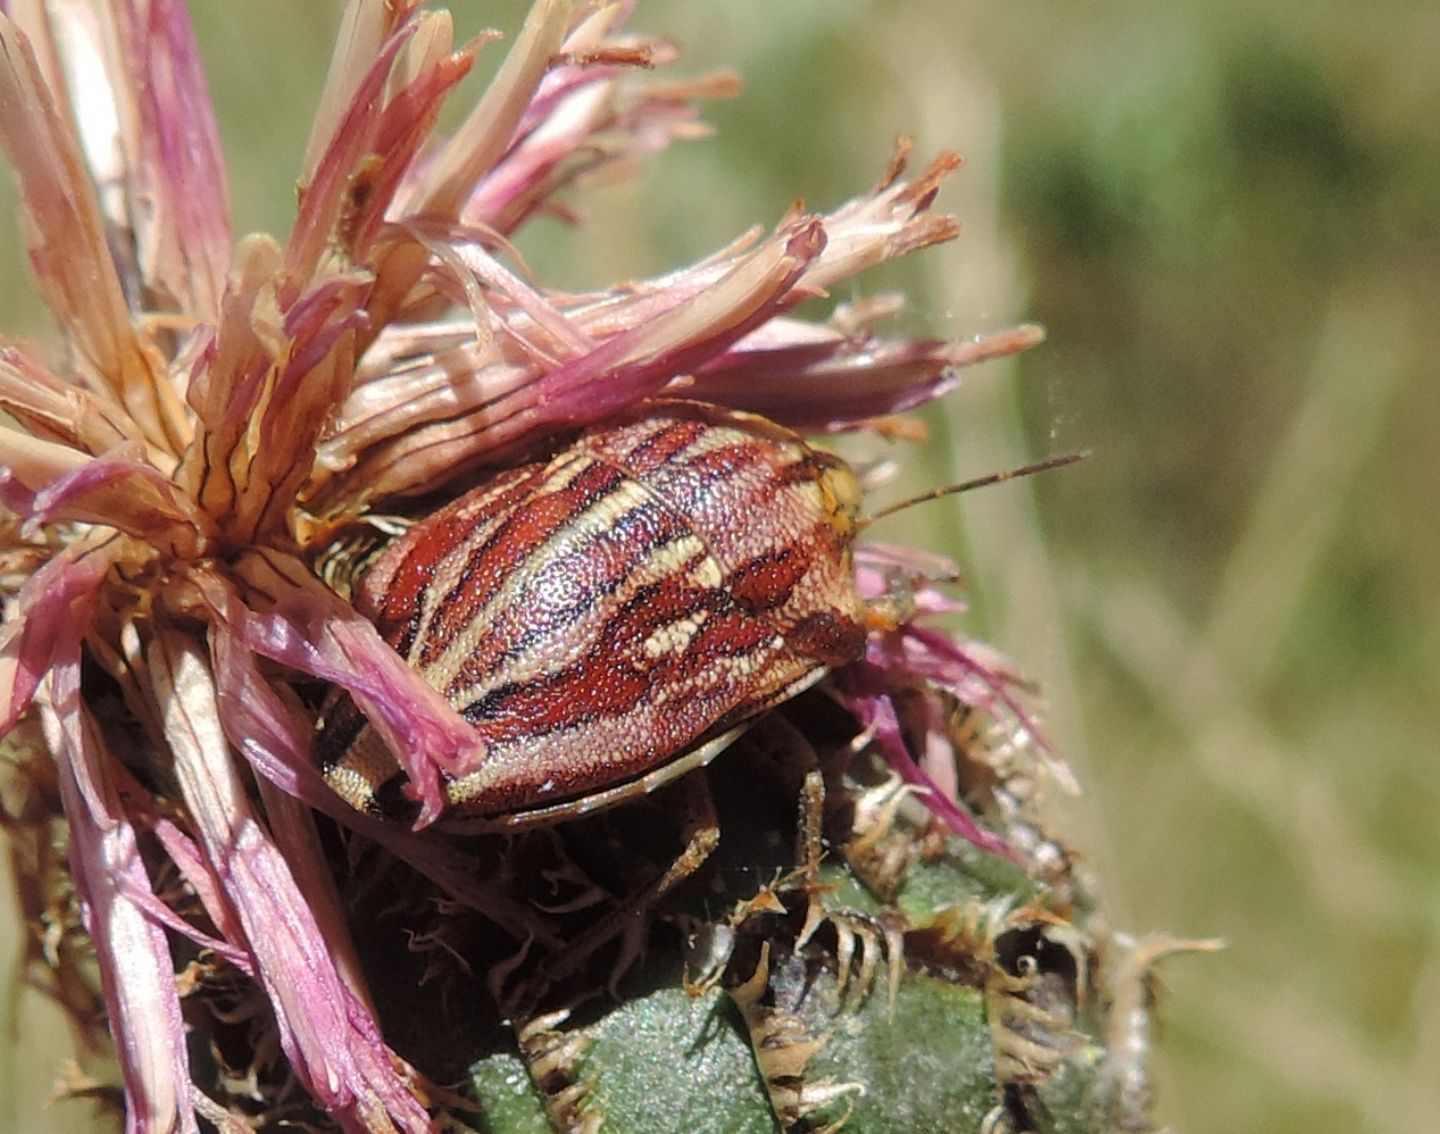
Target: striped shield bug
x,y
610,618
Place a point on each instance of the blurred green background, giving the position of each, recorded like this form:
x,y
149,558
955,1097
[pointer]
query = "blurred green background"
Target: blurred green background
x,y
1226,215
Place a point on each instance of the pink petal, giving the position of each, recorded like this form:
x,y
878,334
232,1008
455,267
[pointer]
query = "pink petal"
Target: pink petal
x,y
179,205
136,971
194,867
639,362
978,677
52,615
507,409
294,619
29,464
490,127
366,28
909,576
324,193
122,492
56,410
864,691
297,403
823,386
275,738
588,112
228,375
891,222
405,127
330,1037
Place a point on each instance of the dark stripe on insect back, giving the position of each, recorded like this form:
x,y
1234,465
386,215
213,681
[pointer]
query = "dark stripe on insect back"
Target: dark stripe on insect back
x,y
522,534
736,473
611,559
719,463
607,677
392,593
754,465
615,676
658,447
767,581
727,635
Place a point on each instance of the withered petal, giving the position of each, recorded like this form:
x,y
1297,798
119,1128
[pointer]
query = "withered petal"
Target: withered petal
x,y
136,971
68,250
47,622
332,1040
289,616
121,491
175,192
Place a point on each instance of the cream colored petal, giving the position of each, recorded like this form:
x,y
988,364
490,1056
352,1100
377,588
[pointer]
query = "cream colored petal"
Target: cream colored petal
x,y
50,408
485,134
68,250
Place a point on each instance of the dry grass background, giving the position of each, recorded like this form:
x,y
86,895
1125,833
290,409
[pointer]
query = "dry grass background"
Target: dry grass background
x,y
1227,216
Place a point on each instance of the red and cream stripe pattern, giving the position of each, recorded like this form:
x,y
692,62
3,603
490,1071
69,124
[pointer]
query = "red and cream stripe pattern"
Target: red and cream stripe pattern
x,y
664,578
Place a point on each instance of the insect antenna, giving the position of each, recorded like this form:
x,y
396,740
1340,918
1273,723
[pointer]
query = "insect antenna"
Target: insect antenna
x,y
979,482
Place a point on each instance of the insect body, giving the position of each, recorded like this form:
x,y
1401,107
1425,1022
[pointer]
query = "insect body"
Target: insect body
x,y
607,618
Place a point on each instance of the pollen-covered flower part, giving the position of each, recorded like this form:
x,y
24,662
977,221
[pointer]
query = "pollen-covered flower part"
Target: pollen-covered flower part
x,y
223,407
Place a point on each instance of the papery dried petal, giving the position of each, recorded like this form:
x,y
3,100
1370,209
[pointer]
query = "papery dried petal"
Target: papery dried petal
x,y
365,26
891,222
886,573
190,860
473,404
299,396
817,379
142,813
403,130
489,129
512,408
276,740
294,619
69,252
47,622
136,971
175,189
323,195
56,410
332,1041
292,825
583,117
121,491
217,419
864,690
977,676
507,311
229,381
640,361
28,465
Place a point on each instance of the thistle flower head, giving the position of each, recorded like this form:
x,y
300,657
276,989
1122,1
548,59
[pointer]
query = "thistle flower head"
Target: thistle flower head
x,y
225,407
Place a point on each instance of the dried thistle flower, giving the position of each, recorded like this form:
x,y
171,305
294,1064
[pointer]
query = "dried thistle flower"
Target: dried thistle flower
x,y
225,410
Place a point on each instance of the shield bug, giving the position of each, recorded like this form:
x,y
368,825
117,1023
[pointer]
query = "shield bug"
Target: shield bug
x,y
610,618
